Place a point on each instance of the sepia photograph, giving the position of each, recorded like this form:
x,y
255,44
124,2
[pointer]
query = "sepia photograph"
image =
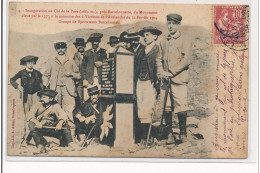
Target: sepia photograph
x,y
128,80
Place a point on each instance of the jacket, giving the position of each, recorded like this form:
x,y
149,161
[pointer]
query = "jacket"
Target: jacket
x,y
31,84
175,55
151,58
88,65
51,73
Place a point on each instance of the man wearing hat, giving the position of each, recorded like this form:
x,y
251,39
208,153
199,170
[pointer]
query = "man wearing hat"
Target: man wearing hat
x,y
87,114
80,45
130,41
147,79
173,67
31,83
59,75
92,61
47,118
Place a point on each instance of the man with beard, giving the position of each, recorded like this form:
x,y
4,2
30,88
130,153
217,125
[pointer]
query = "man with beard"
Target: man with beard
x,y
92,62
31,83
80,45
87,114
173,68
59,75
46,118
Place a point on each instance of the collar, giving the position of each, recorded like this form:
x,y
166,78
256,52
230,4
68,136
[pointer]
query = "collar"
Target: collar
x,y
175,36
94,50
149,47
61,59
28,70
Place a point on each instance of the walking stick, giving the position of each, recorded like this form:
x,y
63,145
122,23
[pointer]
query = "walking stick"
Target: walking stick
x,y
91,128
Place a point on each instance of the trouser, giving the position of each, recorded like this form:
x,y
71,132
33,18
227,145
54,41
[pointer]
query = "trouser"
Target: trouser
x,y
31,100
68,104
146,98
63,135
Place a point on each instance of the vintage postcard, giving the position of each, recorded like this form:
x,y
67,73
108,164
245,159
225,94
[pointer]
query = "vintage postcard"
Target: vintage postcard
x,y
128,80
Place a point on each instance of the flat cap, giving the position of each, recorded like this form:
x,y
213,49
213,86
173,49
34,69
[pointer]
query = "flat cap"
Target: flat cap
x,y
150,29
60,43
175,17
95,37
92,90
28,58
47,92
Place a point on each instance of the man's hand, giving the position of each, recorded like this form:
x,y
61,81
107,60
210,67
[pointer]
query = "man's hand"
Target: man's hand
x,y
91,118
68,74
81,118
85,83
38,125
98,63
20,88
59,125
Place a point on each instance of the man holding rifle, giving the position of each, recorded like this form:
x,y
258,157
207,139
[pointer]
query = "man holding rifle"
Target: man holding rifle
x,y
173,69
47,118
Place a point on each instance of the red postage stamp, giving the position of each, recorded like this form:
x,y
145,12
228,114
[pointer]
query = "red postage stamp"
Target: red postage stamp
x,y
230,25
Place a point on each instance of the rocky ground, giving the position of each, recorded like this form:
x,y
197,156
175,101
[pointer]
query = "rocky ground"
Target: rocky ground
x,y
194,147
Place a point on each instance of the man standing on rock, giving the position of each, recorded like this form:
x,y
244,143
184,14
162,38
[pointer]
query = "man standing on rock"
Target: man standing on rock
x,y
173,67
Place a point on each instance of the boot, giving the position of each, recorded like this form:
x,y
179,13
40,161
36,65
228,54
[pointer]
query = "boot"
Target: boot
x,y
182,116
168,121
82,138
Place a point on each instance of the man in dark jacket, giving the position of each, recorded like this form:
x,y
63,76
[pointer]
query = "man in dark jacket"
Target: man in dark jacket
x,y
80,45
92,62
31,83
146,79
87,114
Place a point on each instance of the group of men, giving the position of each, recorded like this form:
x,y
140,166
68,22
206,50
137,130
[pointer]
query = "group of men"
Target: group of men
x,y
69,87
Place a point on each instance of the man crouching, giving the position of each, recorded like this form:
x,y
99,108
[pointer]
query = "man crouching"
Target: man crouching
x,y
87,116
47,118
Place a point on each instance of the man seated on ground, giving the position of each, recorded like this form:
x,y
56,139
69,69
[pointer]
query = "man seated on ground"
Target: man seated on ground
x,y
87,115
47,118
90,121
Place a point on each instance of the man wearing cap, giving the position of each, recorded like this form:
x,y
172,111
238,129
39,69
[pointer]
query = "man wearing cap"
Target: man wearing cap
x,y
147,78
59,75
80,45
86,114
113,42
173,67
31,83
92,61
47,118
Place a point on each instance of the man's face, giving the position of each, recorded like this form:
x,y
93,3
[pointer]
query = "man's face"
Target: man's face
x,y
95,44
173,27
45,99
29,64
61,49
149,37
81,48
94,99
